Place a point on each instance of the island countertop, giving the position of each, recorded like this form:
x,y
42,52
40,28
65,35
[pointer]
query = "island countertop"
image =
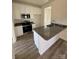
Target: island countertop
x,y
49,32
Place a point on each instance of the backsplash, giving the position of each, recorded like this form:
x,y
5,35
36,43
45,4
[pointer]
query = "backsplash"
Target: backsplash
x,y
60,21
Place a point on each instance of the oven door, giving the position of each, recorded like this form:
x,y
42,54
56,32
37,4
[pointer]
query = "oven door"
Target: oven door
x,y
27,28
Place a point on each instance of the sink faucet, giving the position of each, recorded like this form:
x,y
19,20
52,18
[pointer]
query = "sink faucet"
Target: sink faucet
x,y
53,21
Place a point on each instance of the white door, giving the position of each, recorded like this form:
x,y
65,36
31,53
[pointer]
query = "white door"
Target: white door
x,y
47,16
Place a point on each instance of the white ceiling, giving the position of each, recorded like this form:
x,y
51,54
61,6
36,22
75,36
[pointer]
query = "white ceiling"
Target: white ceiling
x,y
35,2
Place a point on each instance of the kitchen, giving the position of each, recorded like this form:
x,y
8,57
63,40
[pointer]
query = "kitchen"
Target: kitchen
x,y
27,17
35,15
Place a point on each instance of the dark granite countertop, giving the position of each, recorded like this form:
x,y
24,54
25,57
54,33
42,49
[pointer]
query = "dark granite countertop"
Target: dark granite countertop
x,y
49,32
21,23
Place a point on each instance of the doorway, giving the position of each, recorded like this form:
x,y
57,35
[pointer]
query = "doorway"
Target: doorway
x,y
47,16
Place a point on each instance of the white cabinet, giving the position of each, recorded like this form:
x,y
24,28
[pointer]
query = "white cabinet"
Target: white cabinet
x,y
18,30
43,44
63,34
33,26
36,39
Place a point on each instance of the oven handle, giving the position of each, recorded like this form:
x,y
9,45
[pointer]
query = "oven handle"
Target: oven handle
x,y
26,25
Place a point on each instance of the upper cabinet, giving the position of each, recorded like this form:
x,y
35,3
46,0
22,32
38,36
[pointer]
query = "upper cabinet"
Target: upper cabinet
x,y
18,9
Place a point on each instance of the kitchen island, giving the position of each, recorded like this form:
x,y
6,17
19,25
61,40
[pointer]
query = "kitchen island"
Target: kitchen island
x,y
44,38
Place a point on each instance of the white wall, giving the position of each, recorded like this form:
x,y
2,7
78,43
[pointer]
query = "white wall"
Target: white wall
x,y
13,34
58,11
35,12
60,21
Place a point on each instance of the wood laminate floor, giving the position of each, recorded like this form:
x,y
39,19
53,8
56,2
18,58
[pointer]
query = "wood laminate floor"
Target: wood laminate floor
x,y
26,49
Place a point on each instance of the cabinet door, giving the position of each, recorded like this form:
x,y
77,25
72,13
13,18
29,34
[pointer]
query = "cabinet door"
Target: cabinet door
x,y
36,39
33,26
63,34
18,31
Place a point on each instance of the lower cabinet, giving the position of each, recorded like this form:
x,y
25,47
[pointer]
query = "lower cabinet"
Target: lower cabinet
x,y
63,34
33,26
18,31
42,44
